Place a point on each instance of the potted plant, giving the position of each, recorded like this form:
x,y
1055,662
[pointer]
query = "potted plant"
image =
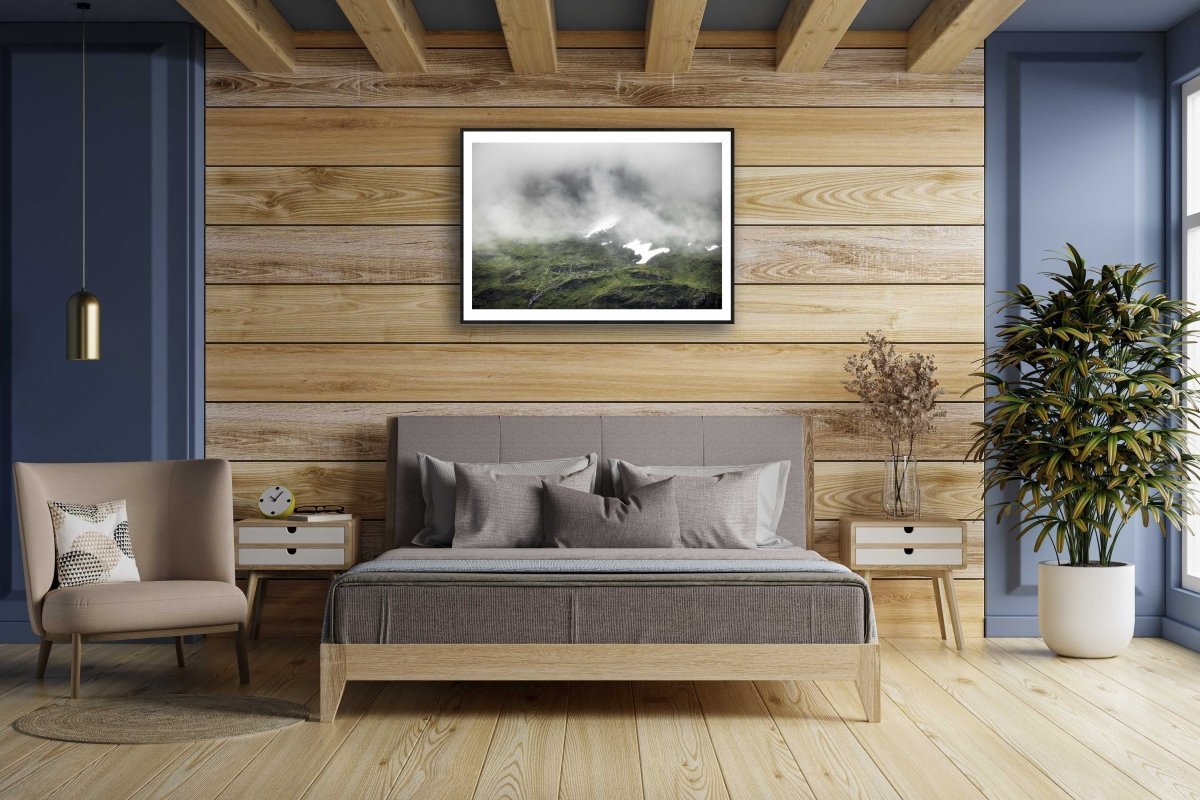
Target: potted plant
x,y
1087,425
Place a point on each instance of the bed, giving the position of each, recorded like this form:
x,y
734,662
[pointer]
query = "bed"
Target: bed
x,y
599,614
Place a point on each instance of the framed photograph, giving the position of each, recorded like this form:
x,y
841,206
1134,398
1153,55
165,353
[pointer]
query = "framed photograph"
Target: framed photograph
x,y
597,226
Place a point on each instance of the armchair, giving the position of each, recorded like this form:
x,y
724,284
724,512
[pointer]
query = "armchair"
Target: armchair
x,y
181,523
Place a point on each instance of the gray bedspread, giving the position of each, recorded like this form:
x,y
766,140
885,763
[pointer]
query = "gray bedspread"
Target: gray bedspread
x,y
547,595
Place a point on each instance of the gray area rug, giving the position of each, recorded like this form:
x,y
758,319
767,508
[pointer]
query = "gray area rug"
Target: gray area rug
x,y
160,718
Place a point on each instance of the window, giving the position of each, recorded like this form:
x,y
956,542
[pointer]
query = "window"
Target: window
x,y
1191,285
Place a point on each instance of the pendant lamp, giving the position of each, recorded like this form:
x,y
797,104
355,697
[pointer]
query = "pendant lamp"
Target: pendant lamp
x,y
83,307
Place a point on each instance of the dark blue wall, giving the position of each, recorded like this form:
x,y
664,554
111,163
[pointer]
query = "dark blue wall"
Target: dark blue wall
x,y
1182,622
144,398
1074,153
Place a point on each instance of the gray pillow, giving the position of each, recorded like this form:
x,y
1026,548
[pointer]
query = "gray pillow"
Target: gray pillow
x,y
503,510
772,491
718,511
437,489
648,517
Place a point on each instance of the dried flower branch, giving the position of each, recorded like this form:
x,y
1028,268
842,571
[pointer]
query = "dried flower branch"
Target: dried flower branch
x,y
898,392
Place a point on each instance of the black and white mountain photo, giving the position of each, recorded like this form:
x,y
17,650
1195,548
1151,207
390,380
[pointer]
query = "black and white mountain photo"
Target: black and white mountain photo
x,y
597,226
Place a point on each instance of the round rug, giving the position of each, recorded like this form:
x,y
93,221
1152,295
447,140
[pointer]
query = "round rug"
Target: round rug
x,y
160,718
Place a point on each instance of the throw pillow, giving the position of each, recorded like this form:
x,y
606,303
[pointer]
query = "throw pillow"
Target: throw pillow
x,y
438,489
647,517
719,511
772,490
495,509
92,543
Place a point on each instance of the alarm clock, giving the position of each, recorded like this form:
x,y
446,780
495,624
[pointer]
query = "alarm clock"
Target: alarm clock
x,y
276,502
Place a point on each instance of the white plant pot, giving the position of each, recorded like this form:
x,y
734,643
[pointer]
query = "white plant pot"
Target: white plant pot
x,y
1086,612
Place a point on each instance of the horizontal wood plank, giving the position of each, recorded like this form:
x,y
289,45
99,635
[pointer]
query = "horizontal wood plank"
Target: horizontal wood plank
x,y
431,314
374,254
430,136
430,195
948,489
858,195
859,254
718,77
549,372
604,40
373,541
358,431
904,607
840,488
310,254
290,195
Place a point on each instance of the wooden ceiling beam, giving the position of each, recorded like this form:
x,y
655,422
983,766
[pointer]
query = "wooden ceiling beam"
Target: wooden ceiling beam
x,y
809,32
391,30
253,30
948,30
530,34
672,27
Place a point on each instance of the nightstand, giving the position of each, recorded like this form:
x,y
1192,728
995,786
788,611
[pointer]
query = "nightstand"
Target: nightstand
x,y
278,548
926,548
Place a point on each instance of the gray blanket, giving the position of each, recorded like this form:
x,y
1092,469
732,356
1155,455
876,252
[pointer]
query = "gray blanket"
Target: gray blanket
x,y
415,595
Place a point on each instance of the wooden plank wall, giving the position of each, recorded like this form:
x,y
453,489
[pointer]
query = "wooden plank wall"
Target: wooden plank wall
x,y
332,264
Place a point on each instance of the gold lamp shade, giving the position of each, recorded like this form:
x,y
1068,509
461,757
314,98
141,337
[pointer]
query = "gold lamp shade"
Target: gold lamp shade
x,y
83,327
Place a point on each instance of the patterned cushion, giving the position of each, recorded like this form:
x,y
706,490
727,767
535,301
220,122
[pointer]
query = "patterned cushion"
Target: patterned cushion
x,y
93,543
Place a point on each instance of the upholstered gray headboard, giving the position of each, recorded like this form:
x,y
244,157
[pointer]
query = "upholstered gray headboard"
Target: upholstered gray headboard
x,y
658,440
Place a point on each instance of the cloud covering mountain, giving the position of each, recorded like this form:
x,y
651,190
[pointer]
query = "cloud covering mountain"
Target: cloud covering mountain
x,y
547,192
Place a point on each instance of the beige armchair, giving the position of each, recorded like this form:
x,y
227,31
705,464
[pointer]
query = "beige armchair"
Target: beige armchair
x,y
181,524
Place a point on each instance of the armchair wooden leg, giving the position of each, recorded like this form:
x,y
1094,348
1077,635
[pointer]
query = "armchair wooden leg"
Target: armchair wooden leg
x,y
243,662
43,657
76,663
179,657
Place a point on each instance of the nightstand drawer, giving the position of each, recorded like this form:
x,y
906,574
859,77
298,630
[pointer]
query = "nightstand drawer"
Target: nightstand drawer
x,y
905,556
290,535
298,557
908,535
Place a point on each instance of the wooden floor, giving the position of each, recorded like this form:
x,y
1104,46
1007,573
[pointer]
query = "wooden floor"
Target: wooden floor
x,y
1003,720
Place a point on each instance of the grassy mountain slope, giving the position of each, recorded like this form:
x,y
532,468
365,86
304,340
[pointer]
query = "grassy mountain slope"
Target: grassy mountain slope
x,y
583,273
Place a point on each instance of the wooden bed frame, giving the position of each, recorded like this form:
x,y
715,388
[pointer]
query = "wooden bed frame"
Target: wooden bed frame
x,y
588,662
599,662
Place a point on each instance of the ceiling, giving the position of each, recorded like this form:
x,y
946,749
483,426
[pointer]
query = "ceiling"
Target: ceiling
x,y
1035,15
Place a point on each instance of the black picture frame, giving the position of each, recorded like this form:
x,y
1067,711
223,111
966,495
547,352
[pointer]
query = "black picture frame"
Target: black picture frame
x,y
725,315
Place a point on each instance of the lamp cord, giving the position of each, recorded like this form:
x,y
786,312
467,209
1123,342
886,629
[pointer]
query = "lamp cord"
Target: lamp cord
x,y
83,146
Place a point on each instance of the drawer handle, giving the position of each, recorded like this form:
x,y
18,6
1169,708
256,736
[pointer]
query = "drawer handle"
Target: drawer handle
x,y
907,529
908,551
292,551
291,528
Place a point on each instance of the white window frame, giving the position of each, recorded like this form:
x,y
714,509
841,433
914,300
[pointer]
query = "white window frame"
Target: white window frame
x,y
1190,184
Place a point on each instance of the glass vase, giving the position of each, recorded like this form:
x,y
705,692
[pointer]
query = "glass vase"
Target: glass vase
x,y
901,488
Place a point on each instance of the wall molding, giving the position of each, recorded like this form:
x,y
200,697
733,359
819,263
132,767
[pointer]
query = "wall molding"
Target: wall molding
x,y
1112,84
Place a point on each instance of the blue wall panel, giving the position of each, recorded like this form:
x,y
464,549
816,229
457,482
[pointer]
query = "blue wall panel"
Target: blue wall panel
x,y
144,398
1074,152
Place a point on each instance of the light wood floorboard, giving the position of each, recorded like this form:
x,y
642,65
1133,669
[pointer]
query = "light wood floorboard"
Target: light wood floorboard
x,y
1004,719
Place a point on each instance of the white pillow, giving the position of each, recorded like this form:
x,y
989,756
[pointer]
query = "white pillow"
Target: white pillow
x,y
92,543
772,488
